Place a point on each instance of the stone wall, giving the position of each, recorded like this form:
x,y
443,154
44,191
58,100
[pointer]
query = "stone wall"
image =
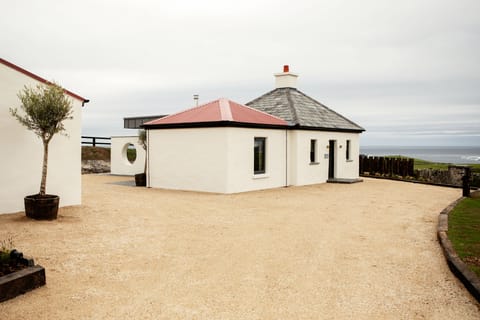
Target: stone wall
x,y
95,166
452,176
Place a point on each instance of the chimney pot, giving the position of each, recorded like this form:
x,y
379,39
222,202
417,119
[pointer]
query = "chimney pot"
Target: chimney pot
x,y
286,68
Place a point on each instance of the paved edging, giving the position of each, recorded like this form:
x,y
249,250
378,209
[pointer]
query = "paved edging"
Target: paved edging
x,y
456,265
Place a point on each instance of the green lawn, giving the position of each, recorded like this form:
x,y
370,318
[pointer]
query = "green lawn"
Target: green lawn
x,y
419,164
464,231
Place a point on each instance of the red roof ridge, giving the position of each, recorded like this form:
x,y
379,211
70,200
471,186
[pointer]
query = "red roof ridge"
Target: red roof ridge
x,y
38,78
217,111
183,111
225,109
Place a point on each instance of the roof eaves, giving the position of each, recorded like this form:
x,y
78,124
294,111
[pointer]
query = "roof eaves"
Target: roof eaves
x,y
213,124
38,78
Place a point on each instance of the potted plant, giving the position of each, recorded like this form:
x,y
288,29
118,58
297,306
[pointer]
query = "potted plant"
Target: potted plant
x,y
141,178
45,107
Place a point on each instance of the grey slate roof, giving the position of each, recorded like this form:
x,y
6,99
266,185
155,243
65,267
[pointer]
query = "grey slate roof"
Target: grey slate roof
x,y
300,110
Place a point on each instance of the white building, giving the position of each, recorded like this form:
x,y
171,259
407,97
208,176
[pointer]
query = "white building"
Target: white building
x,y
119,163
22,150
282,138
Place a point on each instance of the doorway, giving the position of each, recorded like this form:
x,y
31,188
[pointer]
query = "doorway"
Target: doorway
x,y
331,159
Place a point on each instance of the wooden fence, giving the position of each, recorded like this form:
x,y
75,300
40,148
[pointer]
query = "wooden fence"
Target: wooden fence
x,y
386,166
92,141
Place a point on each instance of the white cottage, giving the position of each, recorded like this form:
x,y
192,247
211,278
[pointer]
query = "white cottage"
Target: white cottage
x,y
283,138
22,150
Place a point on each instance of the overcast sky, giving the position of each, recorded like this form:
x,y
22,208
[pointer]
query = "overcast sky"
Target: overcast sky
x,y
407,71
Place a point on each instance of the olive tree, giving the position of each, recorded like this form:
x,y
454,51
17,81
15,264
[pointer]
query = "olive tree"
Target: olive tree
x,y
142,140
44,107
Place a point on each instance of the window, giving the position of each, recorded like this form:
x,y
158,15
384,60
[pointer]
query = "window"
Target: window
x,y
259,156
313,148
348,150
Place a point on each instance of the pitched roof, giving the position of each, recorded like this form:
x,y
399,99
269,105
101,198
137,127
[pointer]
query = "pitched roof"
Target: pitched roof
x,y
222,111
38,78
300,110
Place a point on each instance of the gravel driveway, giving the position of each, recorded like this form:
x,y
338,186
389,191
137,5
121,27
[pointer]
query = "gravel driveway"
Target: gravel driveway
x,y
329,251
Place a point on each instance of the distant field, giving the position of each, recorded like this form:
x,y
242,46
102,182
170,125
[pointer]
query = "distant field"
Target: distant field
x,y
423,164
95,153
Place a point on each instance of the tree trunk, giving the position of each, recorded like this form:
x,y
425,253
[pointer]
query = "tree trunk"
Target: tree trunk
x,y
44,168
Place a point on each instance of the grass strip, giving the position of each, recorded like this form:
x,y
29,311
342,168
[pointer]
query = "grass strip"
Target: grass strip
x,y
464,231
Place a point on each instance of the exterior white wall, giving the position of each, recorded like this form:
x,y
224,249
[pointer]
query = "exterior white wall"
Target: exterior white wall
x,y
240,159
188,159
303,172
119,163
221,159
214,159
23,151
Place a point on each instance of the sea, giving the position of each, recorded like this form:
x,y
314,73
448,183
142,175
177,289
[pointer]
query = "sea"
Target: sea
x,y
448,154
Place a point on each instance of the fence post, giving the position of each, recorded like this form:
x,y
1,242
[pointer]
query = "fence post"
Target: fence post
x,y
466,182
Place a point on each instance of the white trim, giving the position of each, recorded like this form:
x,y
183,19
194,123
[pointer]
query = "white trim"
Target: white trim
x,y
261,176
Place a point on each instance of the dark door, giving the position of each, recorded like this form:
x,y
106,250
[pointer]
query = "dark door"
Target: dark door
x,y
331,159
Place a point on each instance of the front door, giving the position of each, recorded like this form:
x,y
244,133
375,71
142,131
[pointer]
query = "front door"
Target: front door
x,y
331,159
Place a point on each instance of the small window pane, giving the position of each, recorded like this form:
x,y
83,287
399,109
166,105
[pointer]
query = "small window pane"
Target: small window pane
x,y
313,154
259,156
348,150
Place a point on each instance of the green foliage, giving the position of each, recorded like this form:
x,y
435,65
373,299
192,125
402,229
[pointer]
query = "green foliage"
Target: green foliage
x,y
424,164
45,107
6,246
131,154
142,138
464,231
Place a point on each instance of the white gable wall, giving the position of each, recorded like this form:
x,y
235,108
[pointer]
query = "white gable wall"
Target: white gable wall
x,y
188,159
22,151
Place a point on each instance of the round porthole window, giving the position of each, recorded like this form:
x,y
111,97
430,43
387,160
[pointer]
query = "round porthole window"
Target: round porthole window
x,y
130,153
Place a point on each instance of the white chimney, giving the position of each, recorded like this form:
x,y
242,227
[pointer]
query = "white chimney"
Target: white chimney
x,y
286,79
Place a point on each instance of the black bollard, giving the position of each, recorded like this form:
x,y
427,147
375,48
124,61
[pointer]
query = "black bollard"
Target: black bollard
x,y
466,182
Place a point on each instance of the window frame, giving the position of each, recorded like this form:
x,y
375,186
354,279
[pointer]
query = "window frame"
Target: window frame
x,y
348,151
260,165
313,151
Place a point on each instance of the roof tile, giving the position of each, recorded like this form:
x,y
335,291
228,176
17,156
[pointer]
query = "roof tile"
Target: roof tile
x,y
297,108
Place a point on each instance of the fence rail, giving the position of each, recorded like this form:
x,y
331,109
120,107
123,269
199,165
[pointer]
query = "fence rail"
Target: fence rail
x,y
92,141
386,166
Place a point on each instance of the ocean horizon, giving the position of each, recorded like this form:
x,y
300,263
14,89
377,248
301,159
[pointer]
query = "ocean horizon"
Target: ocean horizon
x,y
443,154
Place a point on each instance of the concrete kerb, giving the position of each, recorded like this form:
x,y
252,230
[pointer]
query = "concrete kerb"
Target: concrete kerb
x,y
456,265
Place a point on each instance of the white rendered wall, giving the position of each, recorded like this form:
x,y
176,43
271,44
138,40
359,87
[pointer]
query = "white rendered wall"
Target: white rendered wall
x,y
240,159
23,151
119,163
188,159
304,172
214,159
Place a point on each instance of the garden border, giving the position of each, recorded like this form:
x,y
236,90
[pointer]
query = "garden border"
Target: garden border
x,y
22,281
456,265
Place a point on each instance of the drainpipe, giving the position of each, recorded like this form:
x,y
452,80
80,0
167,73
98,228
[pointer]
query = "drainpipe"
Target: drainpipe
x,y
148,157
286,158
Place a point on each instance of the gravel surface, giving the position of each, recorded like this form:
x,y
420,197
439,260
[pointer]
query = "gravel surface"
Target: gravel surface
x,y
329,251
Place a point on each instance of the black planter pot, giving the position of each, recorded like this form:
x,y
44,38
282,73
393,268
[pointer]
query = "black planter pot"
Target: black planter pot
x,y
42,207
141,180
